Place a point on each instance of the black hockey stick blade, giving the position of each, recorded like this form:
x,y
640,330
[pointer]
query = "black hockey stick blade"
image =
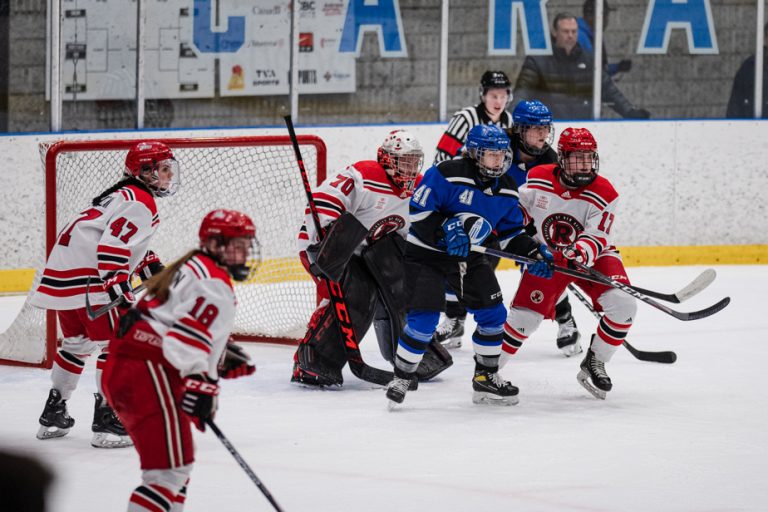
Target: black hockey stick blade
x,y
693,288
664,357
241,462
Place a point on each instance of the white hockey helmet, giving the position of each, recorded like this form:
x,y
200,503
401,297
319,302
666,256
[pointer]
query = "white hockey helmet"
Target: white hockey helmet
x,y
402,157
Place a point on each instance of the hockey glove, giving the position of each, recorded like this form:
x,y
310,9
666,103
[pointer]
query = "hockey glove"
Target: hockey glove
x,y
235,363
117,285
456,240
149,266
543,267
200,399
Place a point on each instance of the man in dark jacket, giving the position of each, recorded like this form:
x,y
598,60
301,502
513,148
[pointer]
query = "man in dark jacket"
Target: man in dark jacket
x,y
563,80
742,101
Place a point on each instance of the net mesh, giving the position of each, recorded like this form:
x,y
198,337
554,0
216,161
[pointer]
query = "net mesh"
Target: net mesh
x,y
260,180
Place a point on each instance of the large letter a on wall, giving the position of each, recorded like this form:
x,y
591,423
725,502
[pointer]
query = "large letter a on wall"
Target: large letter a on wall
x,y
380,16
694,16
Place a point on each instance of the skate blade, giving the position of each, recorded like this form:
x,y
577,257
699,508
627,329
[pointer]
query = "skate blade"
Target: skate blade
x,y
572,350
583,378
105,440
451,343
481,397
392,405
51,432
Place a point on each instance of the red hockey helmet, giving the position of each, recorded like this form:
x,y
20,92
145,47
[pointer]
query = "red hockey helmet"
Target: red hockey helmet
x,y
401,155
577,157
153,163
230,237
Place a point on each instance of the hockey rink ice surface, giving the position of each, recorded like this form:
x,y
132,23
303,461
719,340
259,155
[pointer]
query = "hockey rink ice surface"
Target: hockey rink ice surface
x,y
691,436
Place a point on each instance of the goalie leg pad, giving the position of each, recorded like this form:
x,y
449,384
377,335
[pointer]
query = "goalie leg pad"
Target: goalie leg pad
x,y
436,360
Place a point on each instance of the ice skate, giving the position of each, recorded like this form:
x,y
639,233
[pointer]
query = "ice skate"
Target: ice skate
x,y
398,387
568,337
449,332
108,432
491,388
55,420
593,377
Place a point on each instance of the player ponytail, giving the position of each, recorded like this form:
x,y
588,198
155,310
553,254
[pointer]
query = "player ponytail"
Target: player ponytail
x,y
117,186
159,285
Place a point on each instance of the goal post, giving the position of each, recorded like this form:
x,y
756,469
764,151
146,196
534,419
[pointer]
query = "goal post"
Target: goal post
x,y
258,175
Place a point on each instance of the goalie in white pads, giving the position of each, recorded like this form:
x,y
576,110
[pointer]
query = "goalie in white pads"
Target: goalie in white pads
x,y
106,243
573,210
364,211
163,369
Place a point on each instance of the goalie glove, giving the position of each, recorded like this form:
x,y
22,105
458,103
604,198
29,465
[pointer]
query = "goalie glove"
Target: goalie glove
x,y
117,285
235,363
149,266
200,399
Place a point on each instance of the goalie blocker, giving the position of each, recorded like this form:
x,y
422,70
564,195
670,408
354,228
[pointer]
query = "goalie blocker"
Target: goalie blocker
x,y
374,286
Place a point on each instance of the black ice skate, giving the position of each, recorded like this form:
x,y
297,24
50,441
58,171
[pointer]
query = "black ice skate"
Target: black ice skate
x,y
399,386
568,336
55,420
326,378
108,432
449,332
490,388
594,371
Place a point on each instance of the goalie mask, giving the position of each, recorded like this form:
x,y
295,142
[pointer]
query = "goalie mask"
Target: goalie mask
x,y
153,163
229,237
402,157
488,145
533,124
577,157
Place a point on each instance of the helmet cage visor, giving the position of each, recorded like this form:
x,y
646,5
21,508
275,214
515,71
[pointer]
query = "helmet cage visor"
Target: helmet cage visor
x,y
164,178
491,162
406,168
579,168
241,255
543,134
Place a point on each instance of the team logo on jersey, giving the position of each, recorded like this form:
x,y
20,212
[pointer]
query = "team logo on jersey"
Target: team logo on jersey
x,y
384,226
476,227
537,297
560,229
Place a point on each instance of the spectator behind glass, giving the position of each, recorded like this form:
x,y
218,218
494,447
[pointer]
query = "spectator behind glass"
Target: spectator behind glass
x,y
563,80
742,102
587,36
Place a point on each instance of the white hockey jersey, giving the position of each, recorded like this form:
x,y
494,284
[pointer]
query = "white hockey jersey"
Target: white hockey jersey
x,y
197,319
364,190
111,237
563,217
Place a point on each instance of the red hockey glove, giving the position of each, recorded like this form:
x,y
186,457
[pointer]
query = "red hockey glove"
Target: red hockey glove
x,y
235,363
117,285
149,266
200,399
574,252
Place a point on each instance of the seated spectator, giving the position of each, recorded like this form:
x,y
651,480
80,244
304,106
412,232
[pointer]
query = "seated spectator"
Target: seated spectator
x,y
587,36
563,80
742,101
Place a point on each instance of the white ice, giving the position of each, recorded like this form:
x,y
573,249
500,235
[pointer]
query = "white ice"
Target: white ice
x,y
691,436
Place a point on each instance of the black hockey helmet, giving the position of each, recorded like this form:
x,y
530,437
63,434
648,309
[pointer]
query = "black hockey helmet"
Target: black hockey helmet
x,y
494,80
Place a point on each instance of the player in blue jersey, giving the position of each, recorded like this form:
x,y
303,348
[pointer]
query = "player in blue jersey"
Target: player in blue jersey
x,y
531,139
458,203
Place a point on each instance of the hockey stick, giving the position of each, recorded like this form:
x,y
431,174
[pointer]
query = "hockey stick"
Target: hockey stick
x,y
243,464
339,305
93,314
693,288
590,274
666,357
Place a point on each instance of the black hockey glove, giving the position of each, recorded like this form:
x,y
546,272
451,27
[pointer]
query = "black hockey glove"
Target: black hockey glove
x,y
624,65
118,285
149,266
235,363
200,399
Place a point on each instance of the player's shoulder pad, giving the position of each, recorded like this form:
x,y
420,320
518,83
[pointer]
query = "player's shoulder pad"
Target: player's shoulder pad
x,y
543,172
456,170
371,170
602,189
138,194
204,267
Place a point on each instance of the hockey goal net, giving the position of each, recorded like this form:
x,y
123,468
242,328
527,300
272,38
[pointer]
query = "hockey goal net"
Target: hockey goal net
x,y
257,175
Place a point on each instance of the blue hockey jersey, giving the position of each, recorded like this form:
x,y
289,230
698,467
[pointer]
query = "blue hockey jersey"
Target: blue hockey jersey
x,y
453,189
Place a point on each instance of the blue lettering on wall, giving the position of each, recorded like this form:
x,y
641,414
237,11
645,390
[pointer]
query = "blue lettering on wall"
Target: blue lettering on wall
x,y
208,41
694,16
502,27
380,16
